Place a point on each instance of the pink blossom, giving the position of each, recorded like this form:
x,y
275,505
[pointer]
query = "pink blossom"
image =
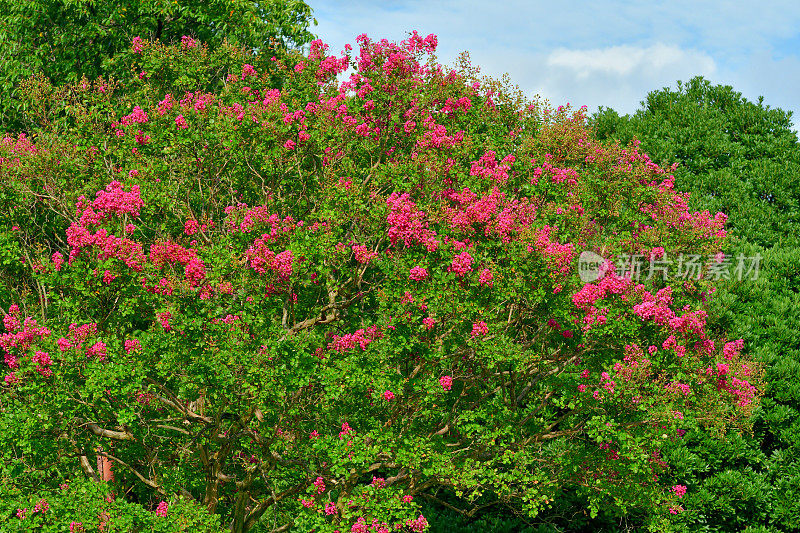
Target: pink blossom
x,y
137,45
461,264
58,260
132,345
418,273
162,508
446,382
486,277
181,122
479,329
388,396
679,490
187,42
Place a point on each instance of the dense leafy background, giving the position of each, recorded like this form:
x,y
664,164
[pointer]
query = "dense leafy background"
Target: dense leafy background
x,y
742,158
68,39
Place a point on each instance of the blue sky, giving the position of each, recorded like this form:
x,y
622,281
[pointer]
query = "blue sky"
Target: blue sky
x,y
609,53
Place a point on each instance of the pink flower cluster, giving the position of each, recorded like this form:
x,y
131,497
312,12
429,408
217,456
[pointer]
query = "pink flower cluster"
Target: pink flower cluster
x,y
114,199
361,337
461,264
363,254
164,253
446,382
162,509
436,137
19,336
187,42
418,273
407,223
137,45
132,345
557,256
137,116
488,167
479,329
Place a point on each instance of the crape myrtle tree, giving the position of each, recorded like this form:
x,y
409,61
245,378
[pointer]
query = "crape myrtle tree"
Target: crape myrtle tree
x,y
65,39
743,158
314,307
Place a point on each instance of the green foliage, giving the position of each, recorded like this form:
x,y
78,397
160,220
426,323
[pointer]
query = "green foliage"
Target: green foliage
x,y
67,39
743,158
81,506
733,155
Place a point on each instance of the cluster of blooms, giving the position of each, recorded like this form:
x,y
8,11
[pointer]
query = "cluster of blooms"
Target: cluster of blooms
x,y
163,253
197,101
418,273
388,396
41,506
446,382
262,259
732,349
363,254
451,106
487,167
18,148
461,264
742,389
418,524
137,45
19,336
163,319
407,223
429,322
479,329
416,43
114,199
492,212
361,337
435,136
137,116
43,362
162,508
132,345
557,175
319,484
244,219
486,278
187,42
558,256
346,430
76,527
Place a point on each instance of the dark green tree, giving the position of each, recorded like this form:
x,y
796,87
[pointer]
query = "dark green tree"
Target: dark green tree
x,y
66,39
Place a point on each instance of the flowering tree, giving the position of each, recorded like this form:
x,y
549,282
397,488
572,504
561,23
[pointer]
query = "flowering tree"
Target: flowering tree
x,y
313,307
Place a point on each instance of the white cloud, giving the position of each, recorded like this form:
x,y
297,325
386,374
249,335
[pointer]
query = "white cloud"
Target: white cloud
x,y
628,60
